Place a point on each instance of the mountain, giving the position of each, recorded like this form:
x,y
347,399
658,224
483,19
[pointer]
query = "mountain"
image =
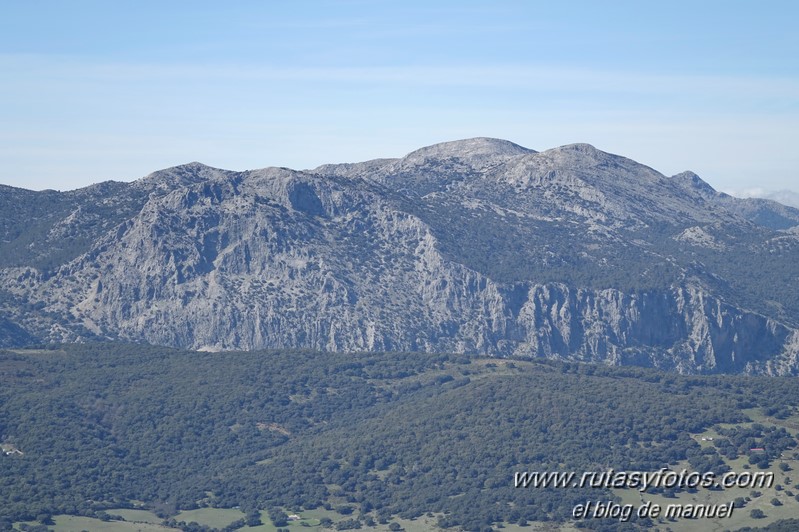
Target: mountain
x,y
477,245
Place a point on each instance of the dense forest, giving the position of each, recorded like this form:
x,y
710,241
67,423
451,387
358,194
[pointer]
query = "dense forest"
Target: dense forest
x,y
372,435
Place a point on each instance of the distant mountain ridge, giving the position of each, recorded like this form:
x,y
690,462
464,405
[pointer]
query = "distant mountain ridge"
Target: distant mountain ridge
x,y
786,197
479,245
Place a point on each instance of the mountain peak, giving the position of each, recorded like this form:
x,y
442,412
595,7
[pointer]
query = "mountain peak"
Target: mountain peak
x,y
474,149
580,147
695,182
180,175
580,150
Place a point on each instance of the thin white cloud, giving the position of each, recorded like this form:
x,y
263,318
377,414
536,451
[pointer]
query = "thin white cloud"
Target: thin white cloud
x,y
731,128
754,192
530,76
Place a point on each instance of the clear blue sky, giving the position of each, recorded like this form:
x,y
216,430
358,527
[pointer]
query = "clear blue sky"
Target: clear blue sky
x,y
98,90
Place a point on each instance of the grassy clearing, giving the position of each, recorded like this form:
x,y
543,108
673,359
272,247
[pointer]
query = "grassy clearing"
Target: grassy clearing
x,y
421,524
213,517
267,525
309,521
70,523
38,352
741,517
136,516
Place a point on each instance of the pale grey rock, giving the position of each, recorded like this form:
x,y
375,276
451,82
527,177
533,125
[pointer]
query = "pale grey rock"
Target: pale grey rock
x,y
469,246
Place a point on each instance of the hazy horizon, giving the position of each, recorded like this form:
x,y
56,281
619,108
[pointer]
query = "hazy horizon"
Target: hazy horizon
x,y
786,196
96,91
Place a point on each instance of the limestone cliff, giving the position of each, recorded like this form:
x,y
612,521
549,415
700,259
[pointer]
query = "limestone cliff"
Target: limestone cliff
x,y
470,246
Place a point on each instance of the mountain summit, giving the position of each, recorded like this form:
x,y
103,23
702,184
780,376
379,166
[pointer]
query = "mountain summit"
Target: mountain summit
x,y
477,245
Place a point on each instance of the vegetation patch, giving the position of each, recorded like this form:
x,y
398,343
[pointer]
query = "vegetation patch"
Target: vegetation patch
x,y
382,437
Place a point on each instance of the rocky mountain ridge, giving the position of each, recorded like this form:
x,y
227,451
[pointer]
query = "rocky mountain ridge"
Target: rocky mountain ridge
x,y
478,245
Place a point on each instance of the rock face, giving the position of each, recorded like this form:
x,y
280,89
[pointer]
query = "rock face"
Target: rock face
x,y
468,246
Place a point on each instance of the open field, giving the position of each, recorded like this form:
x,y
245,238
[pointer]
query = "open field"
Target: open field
x,y
783,489
135,516
213,517
71,523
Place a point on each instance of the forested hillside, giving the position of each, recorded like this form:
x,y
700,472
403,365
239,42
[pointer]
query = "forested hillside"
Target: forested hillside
x,y
373,434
